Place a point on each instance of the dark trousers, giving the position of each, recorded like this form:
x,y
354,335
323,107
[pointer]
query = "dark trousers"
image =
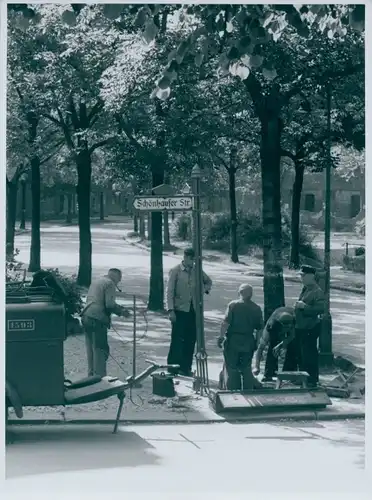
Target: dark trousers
x,y
97,347
309,356
237,370
291,360
182,346
271,364
302,353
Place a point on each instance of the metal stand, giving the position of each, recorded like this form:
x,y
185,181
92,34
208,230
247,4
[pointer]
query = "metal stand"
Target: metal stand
x,y
201,383
134,357
121,397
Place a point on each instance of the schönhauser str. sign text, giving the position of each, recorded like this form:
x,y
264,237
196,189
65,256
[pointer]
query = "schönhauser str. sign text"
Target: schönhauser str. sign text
x,y
161,203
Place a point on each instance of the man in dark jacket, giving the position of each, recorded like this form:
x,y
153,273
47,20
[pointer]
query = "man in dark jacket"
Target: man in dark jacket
x,y
240,331
278,333
308,309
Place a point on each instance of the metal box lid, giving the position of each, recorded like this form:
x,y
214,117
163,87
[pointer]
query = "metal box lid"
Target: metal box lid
x,y
34,314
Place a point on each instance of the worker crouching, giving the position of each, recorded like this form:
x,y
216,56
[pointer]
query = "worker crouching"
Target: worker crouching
x,y
278,334
240,331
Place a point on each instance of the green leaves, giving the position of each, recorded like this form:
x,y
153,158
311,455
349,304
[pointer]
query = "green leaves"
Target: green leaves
x,y
239,70
141,17
164,83
199,59
163,94
255,61
269,73
182,50
150,32
112,10
69,17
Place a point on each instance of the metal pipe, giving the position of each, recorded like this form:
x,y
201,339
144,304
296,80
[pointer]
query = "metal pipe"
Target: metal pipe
x,y
325,341
134,337
201,355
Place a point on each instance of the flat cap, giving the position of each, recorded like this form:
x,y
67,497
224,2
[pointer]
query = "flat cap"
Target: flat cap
x,y
285,318
245,286
189,252
308,270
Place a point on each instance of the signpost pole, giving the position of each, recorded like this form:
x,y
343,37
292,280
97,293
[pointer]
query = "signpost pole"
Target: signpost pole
x,y
202,382
325,340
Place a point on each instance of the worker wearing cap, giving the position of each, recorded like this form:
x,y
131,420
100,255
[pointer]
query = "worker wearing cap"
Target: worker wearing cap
x,y
278,333
308,309
96,319
240,331
181,300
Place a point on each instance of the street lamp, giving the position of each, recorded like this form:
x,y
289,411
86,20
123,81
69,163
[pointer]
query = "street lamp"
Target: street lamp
x,y
325,341
202,382
23,180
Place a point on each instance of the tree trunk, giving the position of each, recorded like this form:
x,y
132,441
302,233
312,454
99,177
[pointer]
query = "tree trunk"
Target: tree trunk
x,y
84,170
166,230
11,214
74,205
156,296
294,259
61,203
22,225
149,226
70,201
135,223
101,206
142,227
233,215
270,154
35,250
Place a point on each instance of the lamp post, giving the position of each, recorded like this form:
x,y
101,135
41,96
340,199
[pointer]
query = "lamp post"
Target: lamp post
x,y
325,341
23,180
201,382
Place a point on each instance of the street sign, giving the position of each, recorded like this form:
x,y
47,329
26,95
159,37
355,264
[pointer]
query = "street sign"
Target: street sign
x,y
163,203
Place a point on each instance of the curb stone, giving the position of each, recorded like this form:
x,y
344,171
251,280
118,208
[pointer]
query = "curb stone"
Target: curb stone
x,y
301,416
341,288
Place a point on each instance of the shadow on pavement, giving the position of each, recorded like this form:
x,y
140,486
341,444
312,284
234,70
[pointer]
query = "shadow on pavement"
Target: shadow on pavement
x,y
43,449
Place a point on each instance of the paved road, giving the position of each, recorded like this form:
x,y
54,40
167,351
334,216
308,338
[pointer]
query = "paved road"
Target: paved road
x,y
60,249
90,461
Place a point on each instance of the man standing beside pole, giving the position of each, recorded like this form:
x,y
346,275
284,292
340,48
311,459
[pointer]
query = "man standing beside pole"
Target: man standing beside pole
x,y
181,301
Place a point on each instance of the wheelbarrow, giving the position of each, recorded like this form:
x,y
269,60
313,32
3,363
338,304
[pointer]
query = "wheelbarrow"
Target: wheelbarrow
x,y
89,390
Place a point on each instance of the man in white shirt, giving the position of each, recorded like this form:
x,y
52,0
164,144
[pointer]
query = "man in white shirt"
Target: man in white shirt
x,y
181,302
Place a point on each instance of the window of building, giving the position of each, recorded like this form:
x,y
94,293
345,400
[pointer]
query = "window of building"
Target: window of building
x,y
309,202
